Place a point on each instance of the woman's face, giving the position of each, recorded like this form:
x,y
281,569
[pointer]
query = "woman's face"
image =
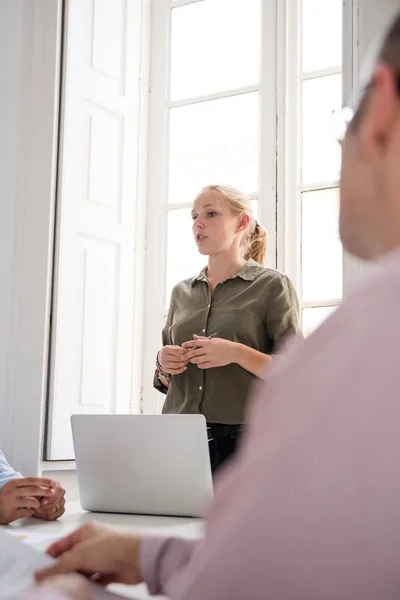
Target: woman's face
x,y
215,228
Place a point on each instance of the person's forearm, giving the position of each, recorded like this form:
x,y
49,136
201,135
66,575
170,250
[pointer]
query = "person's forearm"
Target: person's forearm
x,y
161,561
252,360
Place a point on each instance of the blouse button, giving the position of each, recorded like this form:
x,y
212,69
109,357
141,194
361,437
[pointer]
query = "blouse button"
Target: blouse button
x,y
200,387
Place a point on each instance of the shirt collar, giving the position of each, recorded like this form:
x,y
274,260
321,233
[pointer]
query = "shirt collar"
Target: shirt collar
x,y
247,272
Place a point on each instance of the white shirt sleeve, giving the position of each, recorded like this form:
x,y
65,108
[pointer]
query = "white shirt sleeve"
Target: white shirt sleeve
x,y
6,471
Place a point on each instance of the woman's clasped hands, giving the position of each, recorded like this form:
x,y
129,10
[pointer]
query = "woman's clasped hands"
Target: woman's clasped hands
x,y
204,352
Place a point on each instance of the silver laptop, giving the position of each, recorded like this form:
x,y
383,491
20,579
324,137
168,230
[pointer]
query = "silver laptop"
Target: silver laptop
x,y
143,464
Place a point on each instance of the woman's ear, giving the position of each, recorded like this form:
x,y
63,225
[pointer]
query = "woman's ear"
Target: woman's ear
x,y
243,222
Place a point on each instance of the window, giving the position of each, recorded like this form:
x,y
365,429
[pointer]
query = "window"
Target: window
x,y
213,111
280,73
223,110
211,98
318,258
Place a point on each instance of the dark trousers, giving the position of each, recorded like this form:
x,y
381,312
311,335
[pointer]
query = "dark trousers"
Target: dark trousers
x,y
222,447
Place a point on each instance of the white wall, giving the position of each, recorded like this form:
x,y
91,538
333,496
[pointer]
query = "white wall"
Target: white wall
x,y
11,38
29,75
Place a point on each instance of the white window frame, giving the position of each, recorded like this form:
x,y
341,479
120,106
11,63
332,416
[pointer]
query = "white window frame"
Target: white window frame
x,y
288,140
156,231
279,155
353,269
290,186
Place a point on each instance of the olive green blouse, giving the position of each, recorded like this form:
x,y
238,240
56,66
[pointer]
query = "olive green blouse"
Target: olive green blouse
x,y
257,307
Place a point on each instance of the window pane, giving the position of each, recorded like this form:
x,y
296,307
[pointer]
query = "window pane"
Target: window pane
x,y
213,142
183,258
321,247
321,154
215,46
322,34
314,317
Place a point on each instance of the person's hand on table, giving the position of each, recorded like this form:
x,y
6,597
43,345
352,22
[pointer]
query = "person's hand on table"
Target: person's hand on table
x,y
52,508
23,497
98,552
73,586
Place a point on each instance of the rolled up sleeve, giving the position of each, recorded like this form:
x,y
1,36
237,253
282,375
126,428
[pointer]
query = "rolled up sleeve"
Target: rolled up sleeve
x,y
165,341
161,558
6,471
283,312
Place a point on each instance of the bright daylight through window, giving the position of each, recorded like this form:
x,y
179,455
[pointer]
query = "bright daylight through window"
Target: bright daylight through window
x,y
214,99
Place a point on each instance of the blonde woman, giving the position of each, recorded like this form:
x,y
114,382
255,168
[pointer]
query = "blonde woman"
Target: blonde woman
x,y
225,324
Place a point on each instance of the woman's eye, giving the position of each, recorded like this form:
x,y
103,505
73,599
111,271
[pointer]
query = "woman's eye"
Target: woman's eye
x,y
211,214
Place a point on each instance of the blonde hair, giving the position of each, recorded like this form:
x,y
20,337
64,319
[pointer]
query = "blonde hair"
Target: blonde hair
x,y
255,238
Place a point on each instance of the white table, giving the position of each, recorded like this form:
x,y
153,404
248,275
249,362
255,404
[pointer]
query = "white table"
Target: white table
x,y
75,517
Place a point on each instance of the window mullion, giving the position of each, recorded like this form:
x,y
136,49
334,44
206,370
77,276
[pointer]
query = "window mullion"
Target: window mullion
x,y
288,147
321,73
217,96
268,125
157,186
315,187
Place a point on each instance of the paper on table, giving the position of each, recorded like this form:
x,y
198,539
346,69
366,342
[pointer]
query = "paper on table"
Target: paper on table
x,y
18,562
39,540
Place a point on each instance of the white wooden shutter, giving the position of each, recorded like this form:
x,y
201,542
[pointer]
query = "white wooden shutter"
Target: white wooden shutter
x,y
92,343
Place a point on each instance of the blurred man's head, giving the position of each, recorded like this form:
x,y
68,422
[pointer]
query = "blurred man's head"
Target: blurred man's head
x,y
370,186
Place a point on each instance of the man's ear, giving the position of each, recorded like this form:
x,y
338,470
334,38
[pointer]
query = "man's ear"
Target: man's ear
x,y
381,113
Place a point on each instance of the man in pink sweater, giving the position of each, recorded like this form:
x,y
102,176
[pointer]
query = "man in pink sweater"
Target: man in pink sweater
x,y
310,509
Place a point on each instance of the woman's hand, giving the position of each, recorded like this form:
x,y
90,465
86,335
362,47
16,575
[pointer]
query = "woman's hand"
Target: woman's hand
x,y
96,550
74,586
173,359
207,353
